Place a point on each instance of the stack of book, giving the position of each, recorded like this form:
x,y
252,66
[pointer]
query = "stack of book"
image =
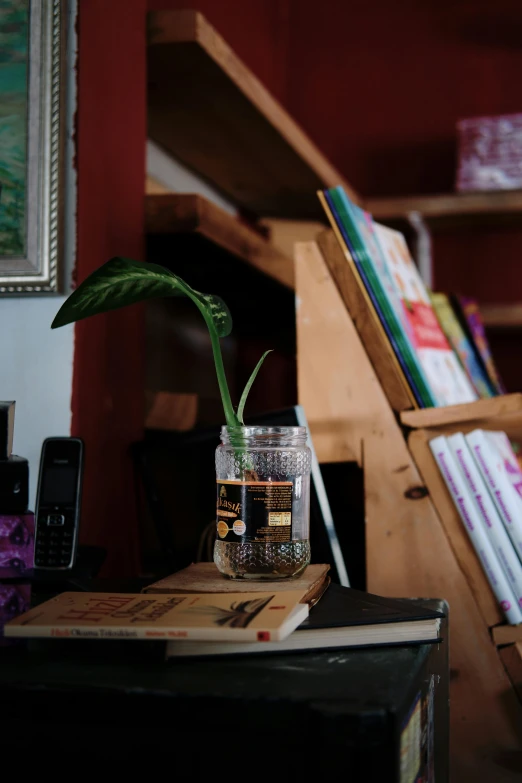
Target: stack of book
x,y
437,342
484,479
196,612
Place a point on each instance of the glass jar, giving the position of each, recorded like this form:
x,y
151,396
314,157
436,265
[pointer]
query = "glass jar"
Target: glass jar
x,y
263,502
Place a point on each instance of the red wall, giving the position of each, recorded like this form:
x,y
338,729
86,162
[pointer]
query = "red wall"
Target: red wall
x,y
107,400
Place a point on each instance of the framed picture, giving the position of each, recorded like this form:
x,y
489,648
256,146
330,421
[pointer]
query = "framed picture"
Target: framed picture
x,y
32,46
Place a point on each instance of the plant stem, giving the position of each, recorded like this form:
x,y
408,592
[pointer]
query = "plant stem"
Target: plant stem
x,y
230,416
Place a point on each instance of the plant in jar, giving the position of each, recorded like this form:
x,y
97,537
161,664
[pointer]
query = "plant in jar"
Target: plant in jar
x,y
265,472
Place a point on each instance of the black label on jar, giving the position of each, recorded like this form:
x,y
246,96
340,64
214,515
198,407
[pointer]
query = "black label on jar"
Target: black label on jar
x,y
250,511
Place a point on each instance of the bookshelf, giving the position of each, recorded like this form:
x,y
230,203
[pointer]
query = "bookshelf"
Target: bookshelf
x,y
208,110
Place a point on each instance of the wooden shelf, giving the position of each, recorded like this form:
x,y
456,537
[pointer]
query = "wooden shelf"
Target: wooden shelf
x,y
502,316
492,208
193,214
209,111
495,407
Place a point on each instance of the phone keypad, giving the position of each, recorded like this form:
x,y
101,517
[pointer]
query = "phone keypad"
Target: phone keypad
x,y
54,539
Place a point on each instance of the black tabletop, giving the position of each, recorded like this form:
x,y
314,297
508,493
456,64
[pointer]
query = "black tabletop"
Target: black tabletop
x,y
75,688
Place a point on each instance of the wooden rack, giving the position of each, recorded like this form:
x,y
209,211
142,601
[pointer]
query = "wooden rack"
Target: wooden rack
x,y
415,542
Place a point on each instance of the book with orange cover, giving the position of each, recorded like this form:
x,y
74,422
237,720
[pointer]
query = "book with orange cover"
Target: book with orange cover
x,y
206,578
241,617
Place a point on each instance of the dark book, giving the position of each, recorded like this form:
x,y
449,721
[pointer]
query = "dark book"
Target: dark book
x,y
342,618
7,416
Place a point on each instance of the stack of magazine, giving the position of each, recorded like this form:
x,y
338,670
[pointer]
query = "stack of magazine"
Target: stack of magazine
x,y
484,478
438,342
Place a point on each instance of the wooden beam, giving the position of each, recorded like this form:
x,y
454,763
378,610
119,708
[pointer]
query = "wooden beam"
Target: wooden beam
x,y
208,110
176,213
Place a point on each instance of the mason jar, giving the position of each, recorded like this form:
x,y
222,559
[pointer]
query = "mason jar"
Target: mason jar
x,y
263,502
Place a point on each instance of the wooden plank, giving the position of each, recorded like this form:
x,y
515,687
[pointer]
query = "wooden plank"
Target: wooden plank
x,y
366,322
336,384
152,186
445,209
169,411
507,634
284,234
502,316
208,110
409,553
469,563
478,411
191,213
511,657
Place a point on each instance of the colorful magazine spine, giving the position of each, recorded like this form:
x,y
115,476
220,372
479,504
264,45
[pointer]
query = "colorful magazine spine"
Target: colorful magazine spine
x,y
471,319
381,289
462,346
331,212
505,497
473,525
485,506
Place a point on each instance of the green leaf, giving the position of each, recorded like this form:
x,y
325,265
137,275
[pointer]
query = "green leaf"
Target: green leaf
x,y
122,281
242,401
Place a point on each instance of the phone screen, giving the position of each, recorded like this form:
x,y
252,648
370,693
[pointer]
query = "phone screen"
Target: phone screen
x,y
59,485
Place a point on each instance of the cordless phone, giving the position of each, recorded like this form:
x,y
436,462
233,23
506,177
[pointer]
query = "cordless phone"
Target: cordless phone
x,y
58,503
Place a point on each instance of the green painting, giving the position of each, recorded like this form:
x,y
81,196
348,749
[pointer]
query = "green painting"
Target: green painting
x,y
14,59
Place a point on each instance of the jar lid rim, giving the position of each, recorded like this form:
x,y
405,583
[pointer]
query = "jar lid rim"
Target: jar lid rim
x,y
264,429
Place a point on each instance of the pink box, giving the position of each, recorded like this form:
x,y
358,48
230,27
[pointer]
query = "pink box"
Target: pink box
x,y
489,153
17,541
15,598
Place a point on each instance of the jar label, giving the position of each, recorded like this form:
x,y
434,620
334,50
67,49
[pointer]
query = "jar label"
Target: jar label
x,y
254,511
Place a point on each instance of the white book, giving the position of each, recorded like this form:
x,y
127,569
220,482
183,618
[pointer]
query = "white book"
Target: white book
x,y
506,498
509,457
464,504
485,506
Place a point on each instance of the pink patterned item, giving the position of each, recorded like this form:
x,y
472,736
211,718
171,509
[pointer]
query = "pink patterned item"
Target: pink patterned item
x,y
17,541
15,598
490,153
